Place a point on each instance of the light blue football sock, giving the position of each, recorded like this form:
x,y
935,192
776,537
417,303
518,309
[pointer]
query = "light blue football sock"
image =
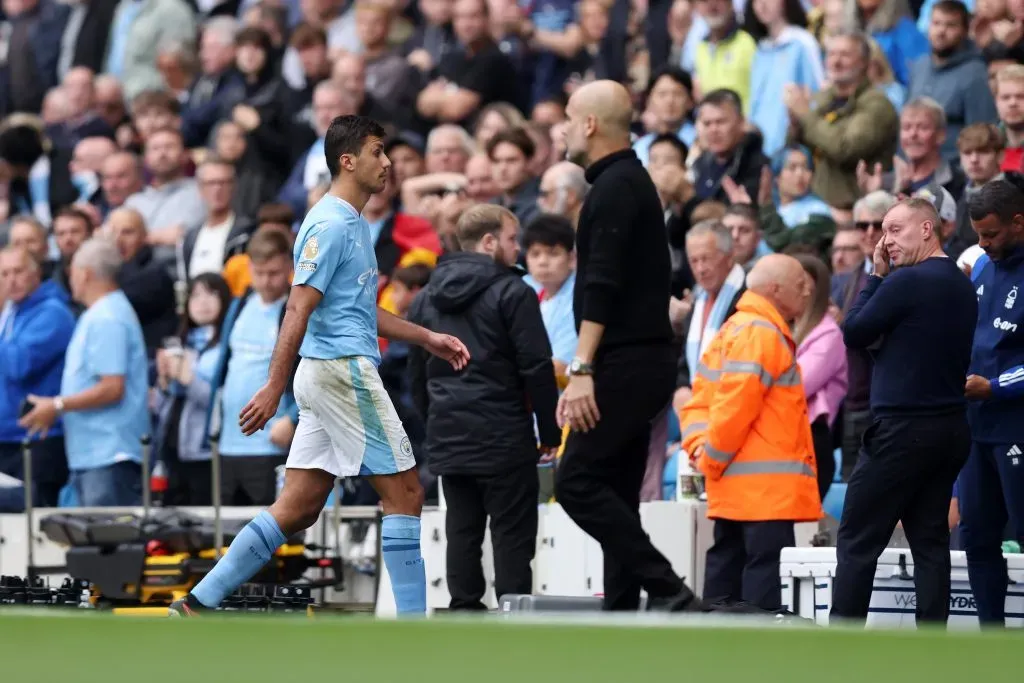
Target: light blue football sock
x,y
252,548
400,545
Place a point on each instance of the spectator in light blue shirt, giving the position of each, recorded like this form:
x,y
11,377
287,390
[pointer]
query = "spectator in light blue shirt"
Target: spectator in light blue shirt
x,y
551,261
794,169
247,341
103,390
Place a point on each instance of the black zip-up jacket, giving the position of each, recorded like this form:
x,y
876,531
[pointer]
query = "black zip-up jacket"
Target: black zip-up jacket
x,y
480,421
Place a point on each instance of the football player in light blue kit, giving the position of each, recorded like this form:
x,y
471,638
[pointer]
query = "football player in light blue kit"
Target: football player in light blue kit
x,y
347,423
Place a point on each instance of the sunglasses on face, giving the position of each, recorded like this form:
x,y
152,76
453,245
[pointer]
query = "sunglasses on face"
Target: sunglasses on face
x,y
867,225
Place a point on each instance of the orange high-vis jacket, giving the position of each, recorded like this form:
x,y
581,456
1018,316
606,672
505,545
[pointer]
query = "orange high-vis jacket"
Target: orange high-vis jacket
x,y
749,413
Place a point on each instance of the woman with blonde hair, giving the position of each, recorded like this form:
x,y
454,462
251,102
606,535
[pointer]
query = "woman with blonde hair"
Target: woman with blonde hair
x,y
821,356
890,23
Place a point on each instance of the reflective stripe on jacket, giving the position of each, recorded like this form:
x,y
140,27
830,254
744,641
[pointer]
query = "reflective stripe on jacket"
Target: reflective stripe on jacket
x,y
749,413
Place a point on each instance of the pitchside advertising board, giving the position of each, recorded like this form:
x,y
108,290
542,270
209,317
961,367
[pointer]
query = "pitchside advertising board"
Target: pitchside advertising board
x,y
807,575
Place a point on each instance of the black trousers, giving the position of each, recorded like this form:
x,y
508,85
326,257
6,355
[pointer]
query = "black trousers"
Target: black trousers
x,y
743,563
249,479
855,422
190,483
905,472
510,500
49,468
601,471
824,458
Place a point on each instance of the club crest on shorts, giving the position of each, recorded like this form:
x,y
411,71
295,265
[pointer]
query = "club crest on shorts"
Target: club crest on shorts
x,y
311,249
406,446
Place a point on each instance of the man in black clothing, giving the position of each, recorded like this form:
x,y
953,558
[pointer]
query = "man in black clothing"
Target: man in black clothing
x,y
624,370
472,76
730,150
480,433
919,320
144,279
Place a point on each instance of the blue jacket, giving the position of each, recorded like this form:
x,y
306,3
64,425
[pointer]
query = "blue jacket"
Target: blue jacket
x,y
294,192
998,352
32,354
902,45
219,375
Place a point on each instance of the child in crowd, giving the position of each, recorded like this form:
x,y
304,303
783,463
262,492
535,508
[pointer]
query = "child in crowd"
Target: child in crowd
x,y
185,368
549,243
237,270
405,283
794,169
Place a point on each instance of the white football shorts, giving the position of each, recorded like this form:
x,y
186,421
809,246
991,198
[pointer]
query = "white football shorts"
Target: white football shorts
x,y
347,423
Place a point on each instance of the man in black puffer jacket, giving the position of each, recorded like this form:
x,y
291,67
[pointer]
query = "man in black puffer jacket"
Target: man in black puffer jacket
x,y
480,421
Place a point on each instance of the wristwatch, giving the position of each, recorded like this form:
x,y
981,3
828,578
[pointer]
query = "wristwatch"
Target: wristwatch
x,y
58,404
578,367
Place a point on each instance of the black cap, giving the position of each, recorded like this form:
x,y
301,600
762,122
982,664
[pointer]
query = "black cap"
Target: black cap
x,y
405,139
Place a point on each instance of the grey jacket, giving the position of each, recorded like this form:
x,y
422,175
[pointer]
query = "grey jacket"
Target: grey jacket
x,y
960,85
158,23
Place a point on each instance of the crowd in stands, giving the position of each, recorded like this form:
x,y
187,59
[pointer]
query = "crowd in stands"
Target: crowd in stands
x,y
157,156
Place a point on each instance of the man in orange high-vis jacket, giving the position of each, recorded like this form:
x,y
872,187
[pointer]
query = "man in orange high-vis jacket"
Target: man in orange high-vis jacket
x,y
746,429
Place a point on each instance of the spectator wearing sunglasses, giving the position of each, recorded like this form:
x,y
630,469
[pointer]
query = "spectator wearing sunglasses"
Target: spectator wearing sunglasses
x,y
868,213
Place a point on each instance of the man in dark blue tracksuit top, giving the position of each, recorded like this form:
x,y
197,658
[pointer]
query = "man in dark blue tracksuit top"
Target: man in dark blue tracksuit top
x,y
991,484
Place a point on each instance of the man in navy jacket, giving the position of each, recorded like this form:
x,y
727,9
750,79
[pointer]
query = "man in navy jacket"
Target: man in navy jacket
x,y
991,484
33,338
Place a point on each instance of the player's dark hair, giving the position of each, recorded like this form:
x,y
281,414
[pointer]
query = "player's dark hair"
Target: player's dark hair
x,y
672,139
347,135
267,243
415,276
1003,198
549,230
954,7
514,136
724,97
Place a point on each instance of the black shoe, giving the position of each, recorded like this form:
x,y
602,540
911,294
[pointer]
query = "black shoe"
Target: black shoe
x,y
188,606
683,601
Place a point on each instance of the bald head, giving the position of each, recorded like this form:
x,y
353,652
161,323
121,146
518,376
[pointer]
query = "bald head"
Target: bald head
x,y
90,154
773,269
781,280
599,115
128,229
608,102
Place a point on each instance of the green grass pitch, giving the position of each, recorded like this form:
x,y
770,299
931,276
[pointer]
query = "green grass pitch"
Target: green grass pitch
x,y
254,649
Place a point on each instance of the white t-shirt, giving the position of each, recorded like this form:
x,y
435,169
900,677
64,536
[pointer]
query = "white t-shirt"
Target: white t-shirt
x,y
208,253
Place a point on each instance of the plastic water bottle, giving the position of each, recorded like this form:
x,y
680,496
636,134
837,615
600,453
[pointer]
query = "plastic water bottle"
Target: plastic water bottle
x,y
158,482
691,482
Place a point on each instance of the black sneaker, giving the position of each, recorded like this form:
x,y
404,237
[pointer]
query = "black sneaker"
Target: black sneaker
x,y
683,601
186,607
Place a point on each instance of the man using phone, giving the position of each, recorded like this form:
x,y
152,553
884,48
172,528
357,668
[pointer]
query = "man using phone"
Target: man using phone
x,y
917,315
32,342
